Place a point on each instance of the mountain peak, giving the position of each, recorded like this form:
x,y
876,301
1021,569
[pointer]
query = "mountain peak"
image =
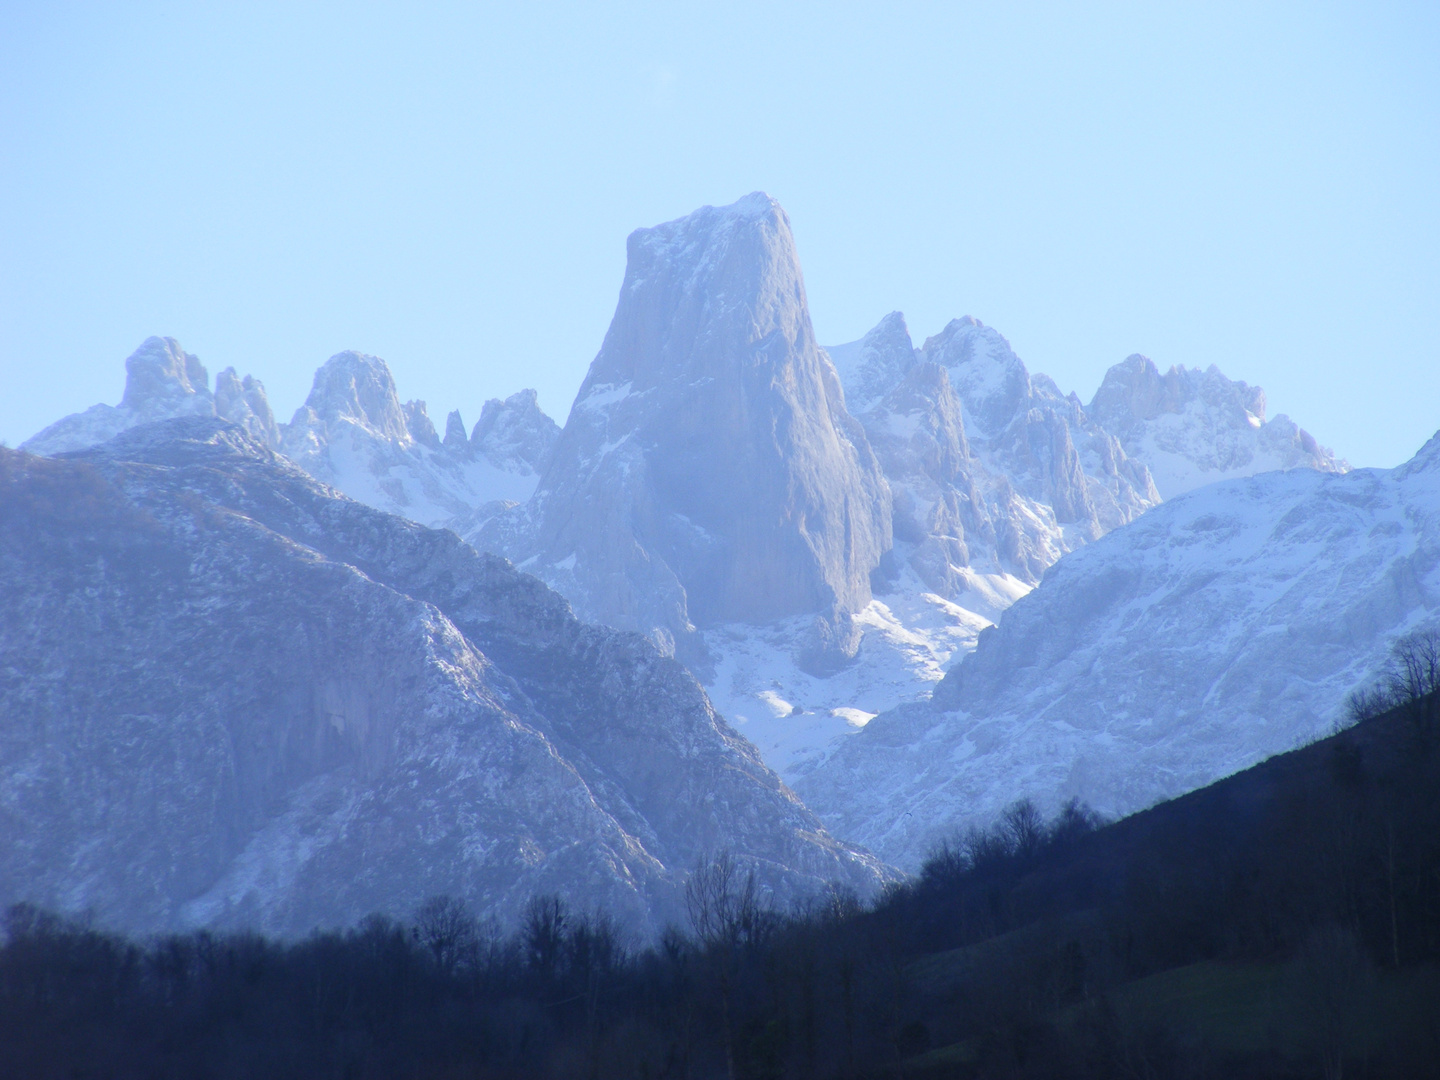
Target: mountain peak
x,y
870,367
991,380
162,380
243,401
708,468
160,374
352,386
1194,427
514,433
456,440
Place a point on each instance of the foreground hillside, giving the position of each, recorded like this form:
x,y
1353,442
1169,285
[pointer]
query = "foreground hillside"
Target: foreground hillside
x,y
231,697
1284,922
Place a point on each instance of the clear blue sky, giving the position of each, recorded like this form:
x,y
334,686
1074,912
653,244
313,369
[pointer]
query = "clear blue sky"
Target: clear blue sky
x,y
1250,185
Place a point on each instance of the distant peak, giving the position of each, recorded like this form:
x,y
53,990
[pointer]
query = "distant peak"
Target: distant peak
x,y
892,326
358,387
955,343
160,371
455,437
756,204
756,213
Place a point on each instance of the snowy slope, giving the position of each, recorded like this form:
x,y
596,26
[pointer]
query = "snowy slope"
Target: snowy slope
x,y
907,639
353,433
1221,627
234,698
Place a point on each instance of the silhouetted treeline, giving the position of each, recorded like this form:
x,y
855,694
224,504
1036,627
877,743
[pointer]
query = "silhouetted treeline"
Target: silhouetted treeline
x,y
1284,922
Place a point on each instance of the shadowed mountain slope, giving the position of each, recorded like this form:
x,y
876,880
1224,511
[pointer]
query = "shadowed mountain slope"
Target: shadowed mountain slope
x,y
233,697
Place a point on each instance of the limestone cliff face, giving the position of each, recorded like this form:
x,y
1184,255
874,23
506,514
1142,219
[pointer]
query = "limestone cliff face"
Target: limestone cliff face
x,y
993,469
232,697
708,472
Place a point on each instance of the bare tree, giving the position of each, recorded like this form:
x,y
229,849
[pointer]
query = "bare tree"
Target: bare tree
x,y
725,913
1414,680
1026,828
543,927
445,927
724,909
1411,683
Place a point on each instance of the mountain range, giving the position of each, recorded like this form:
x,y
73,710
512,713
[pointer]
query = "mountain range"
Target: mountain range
x,y
234,697
823,536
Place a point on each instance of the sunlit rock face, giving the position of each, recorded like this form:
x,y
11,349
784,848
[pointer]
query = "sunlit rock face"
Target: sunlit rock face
x,y
1194,427
708,472
232,697
994,471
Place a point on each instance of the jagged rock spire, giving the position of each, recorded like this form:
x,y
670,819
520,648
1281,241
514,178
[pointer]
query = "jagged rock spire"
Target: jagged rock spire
x,y
708,471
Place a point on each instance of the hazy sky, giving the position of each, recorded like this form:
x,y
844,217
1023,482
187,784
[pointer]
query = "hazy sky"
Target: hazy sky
x,y
1252,185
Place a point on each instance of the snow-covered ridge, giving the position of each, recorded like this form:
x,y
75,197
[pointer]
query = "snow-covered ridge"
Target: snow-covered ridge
x,y
1221,627
353,432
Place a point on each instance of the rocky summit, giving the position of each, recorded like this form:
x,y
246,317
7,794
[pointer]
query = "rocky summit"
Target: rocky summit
x,y
233,697
354,433
708,472
162,380
1196,427
995,472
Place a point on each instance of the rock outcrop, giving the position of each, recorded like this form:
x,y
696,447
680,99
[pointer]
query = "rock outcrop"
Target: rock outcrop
x,y
994,471
162,381
354,433
232,697
1194,427
514,434
708,472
